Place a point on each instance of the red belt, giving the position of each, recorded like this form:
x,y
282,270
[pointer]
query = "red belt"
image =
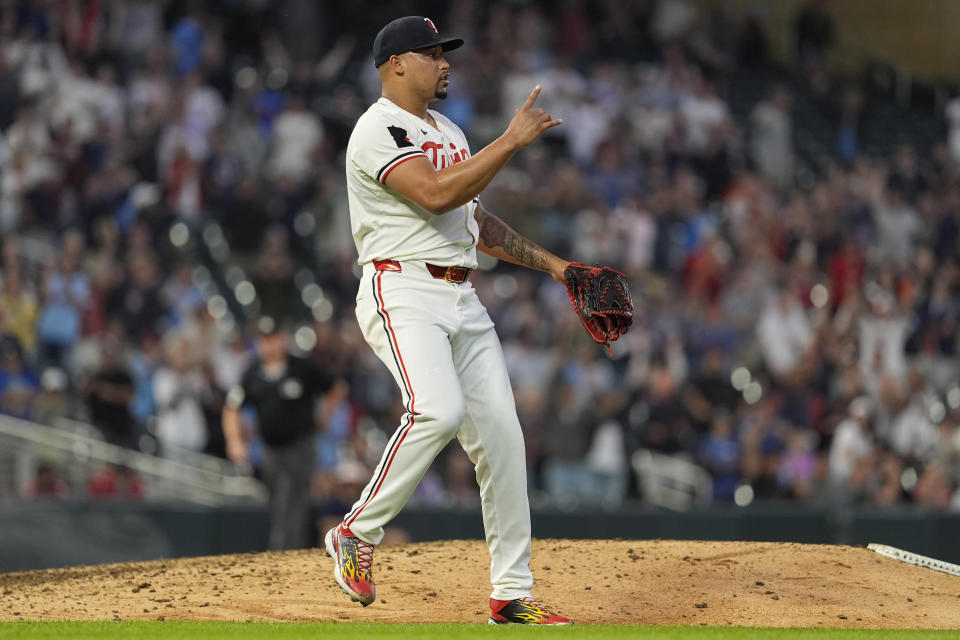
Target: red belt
x,y
450,274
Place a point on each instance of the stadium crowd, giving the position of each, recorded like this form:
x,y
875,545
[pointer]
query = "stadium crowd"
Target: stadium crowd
x,y
795,336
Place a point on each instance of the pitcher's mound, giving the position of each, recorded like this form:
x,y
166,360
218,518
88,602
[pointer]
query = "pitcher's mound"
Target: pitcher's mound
x,y
592,581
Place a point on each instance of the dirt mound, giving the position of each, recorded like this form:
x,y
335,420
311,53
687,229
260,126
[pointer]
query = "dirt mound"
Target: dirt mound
x,y
595,581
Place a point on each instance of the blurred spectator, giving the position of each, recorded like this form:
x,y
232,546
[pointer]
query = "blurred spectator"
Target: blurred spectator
x,y
935,330
898,227
882,336
18,308
784,334
18,384
273,281
852,444
771,141
933,489
566,440
184,185
116,481
297,135
109,392
762,435
105,278
813,35
54,399
26,166
849,122
846,268
178,389
47,483
606,459
705,118
138,303
198,109
910,431
149,99
953,121
710,390
905,176
182,297
666,428
799,471
144,363
65,298
229,360
887,479
719,452
186,39
9,92
136,27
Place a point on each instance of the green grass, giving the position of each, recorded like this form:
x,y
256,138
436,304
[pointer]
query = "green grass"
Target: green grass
x,y
373,631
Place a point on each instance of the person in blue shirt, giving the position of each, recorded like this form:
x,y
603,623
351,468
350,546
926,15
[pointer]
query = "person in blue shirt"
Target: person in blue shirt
x,y
18,384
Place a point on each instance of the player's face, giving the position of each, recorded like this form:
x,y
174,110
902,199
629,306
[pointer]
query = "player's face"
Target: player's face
x,y
433,69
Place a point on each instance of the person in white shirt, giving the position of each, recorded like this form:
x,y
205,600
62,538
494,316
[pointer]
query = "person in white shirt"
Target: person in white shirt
x,y
297,134
413,187
771,140
852,443
178,388
704,116
784,333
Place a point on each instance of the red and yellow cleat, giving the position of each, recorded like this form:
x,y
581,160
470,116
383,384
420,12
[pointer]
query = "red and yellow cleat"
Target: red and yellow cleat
x,y
353,558
523,611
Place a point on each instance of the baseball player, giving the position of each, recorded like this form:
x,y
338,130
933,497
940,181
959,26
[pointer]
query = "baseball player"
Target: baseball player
x,y
413,188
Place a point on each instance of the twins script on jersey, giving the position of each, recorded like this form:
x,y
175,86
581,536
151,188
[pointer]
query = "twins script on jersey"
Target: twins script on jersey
x,y
388,226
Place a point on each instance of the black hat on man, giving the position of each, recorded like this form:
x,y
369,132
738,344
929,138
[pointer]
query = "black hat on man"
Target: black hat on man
x,y
409,33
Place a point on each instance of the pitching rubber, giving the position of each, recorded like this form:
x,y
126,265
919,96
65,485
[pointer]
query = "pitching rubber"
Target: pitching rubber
x,y
915,558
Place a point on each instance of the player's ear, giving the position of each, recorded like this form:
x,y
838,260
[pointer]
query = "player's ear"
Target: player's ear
x,y
396,65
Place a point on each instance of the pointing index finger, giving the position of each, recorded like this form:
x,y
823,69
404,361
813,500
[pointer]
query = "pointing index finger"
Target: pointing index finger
x,y
531,99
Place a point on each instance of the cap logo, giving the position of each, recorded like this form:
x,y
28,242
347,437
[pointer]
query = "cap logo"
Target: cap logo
x,y
431,25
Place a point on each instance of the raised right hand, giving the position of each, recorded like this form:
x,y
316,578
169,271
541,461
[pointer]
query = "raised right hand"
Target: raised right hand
x,y
529,123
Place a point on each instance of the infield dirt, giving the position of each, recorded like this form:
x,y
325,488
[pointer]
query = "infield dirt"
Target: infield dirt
x,y
626,582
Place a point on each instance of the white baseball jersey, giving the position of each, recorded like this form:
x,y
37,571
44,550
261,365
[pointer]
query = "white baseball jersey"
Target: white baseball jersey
x,y
386,225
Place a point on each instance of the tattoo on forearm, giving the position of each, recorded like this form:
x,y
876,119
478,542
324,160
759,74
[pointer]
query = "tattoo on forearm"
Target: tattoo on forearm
x,y
491,233
495,233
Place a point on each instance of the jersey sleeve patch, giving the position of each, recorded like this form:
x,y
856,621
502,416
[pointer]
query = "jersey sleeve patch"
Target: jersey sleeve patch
x,y
400,136
396,162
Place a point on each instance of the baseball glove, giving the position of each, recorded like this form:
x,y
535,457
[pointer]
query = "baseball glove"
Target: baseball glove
x,y
602,300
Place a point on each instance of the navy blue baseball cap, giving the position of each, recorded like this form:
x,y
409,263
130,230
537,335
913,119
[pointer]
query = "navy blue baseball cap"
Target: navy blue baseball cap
x,y
409,34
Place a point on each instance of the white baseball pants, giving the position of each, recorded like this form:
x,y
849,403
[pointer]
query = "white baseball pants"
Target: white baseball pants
x,y
441,347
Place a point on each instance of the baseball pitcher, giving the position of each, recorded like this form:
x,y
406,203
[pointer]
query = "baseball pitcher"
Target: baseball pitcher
x,y
413,187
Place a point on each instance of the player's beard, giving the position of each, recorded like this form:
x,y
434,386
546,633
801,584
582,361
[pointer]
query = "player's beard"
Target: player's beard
x,y
440,92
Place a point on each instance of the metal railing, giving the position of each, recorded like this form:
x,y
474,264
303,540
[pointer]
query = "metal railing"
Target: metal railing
x,y
76,451
671,482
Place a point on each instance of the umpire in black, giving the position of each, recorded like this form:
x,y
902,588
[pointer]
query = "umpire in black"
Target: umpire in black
x,y
283,389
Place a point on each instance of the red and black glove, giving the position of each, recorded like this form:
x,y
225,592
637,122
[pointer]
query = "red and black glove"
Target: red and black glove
x,y
602,300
